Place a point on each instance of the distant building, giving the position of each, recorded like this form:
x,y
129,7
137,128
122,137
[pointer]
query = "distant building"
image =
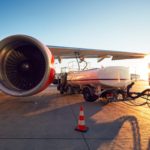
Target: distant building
x,y
135,77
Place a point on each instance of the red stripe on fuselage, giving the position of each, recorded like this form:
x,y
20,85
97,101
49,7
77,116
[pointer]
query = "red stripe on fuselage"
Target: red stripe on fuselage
x,y
98,79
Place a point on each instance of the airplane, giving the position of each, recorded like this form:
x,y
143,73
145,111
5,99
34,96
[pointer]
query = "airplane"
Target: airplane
x,y
27,65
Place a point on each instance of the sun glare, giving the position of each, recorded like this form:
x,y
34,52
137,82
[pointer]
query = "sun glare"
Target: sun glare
x,y
147,59
146,67
141,67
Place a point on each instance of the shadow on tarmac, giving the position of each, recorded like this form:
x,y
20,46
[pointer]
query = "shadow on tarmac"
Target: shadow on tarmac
x,y
148,147
108,131
104,132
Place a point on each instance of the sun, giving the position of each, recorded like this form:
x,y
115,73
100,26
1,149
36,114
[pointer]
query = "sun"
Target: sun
x,y
147,58
142,67
145,70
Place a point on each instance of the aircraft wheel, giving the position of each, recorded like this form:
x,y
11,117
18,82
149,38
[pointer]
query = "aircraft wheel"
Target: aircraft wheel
x,y
89,95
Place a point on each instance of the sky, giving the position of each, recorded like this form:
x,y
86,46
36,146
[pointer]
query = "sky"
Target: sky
x,y
104,24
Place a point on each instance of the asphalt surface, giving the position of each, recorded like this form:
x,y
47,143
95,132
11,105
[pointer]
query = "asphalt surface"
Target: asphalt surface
x,y
47,121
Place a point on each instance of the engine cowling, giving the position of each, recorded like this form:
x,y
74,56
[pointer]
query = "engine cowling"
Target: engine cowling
x,y
26,66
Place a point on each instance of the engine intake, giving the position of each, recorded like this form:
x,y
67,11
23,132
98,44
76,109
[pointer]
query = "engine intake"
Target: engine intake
x,y
25,66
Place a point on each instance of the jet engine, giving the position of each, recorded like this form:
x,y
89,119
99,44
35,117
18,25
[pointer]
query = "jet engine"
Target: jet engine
x,y
26,66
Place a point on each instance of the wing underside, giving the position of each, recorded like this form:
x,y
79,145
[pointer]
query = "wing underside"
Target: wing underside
x,y
70,52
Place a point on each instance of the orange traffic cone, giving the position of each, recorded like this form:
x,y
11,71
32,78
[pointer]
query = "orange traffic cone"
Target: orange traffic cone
x,y
81,122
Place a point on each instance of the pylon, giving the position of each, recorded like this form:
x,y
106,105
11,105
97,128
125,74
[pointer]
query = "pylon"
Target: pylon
x,y
81,122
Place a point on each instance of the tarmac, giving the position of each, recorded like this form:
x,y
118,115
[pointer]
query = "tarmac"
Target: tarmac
x,y
47,121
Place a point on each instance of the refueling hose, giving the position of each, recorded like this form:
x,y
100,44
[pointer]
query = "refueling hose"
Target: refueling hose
x,y
135,95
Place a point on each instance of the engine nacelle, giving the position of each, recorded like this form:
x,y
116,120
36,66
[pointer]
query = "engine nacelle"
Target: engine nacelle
x,y
26,66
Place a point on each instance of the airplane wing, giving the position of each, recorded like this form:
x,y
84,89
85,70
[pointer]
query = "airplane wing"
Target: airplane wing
x,y
69,52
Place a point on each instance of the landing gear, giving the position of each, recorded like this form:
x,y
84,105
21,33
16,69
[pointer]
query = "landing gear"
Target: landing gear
x,y
61,89
89,94
62,83
69,90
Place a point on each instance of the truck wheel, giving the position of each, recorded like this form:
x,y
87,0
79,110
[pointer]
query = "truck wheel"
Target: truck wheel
x,y
69,90
89,95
